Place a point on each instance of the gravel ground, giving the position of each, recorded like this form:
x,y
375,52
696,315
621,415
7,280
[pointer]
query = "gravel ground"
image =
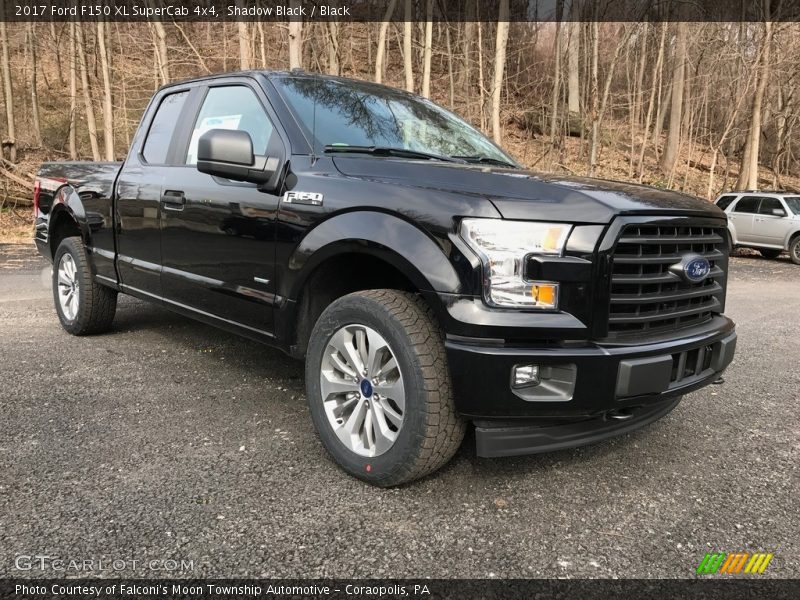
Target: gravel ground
x,y
167,439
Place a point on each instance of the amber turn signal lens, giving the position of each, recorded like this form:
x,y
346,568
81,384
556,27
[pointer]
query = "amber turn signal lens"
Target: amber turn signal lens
x,y
544,294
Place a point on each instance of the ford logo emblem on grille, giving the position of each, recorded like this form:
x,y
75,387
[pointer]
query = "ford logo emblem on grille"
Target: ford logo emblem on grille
x,y
693,268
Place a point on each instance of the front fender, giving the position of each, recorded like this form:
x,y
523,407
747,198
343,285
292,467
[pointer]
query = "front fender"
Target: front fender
x,y
408,248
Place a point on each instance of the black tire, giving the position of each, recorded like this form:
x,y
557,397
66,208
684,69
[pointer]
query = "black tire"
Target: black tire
x,y
431,431
794,250
96,303
770,253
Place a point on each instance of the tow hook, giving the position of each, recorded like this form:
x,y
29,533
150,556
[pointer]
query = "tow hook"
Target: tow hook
x,y
620,414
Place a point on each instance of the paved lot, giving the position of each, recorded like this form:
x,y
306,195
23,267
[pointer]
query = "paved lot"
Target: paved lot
x,y
170,439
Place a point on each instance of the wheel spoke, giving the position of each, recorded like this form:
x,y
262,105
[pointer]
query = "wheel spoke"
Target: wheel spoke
x,y
331,385
384,436
62,278
390,413
343,342
394,390
342,365
361,346
377,347
387,367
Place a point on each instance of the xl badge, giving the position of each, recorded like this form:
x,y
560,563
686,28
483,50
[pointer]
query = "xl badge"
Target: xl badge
x,y
692,268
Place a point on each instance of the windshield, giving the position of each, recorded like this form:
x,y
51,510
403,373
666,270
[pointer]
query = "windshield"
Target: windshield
x,y
794,203
350,113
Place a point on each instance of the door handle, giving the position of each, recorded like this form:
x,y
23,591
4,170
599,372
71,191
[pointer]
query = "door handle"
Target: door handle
x,y
173,200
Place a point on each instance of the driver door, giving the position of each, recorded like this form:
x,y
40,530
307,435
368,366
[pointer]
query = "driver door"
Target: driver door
x,y
218,236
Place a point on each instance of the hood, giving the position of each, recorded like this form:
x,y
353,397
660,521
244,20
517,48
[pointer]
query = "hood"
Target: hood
x,y
525,195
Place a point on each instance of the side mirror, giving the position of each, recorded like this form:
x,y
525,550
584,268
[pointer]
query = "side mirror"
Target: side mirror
x,y
778,212
229,153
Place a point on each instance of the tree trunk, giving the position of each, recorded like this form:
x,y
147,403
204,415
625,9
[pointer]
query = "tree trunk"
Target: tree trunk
x,y
245,59
595,99
408,48
91,123
748,173
676,107
295,40
161,51
73,93
652,100
427,51
556,79
108,109
334,67
37,128
381,51
573,67
8,92
499,67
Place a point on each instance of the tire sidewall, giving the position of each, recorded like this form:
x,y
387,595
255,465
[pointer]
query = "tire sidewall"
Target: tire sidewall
x,y
358,310
793,250
71,247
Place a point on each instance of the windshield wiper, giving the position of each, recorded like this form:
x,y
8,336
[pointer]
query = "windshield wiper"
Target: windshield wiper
x,y
388,151
488,160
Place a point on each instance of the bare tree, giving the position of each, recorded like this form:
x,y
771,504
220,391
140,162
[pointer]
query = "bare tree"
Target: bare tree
x,y
427,50
91,123
35,118
408,49
676,109
381,51
499,68
295,39
162,57
748,173
108,110
334,67
556,78
73,92
245,56
573,67
8,92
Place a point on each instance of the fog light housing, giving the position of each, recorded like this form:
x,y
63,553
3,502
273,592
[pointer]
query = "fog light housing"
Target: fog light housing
x,y
525,375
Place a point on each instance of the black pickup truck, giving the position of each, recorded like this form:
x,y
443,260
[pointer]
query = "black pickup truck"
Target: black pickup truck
x,y
428,280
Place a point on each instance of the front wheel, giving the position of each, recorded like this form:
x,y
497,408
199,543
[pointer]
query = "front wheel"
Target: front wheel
x,y
794,250
378,387
83,305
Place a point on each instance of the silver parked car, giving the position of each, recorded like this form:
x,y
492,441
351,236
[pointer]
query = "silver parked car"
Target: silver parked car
x,y
766,221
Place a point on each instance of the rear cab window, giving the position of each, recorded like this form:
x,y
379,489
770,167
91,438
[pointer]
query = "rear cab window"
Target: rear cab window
x,y
159,136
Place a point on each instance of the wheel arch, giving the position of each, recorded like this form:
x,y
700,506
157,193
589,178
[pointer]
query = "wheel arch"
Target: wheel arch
x,y
356,252
67,218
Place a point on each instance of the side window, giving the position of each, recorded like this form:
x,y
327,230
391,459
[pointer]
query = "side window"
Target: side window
x,y
234,107
748,204
725,202
768,204
159,136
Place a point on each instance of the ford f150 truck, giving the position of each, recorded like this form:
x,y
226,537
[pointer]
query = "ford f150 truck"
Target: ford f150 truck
x,y
426,278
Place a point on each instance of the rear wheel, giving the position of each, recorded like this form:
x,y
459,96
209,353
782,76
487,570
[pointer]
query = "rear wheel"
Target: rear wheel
x,y
83,305
770,253
794,250
378,387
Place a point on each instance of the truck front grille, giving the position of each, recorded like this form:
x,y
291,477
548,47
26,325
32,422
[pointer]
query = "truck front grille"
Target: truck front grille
x,y
646,296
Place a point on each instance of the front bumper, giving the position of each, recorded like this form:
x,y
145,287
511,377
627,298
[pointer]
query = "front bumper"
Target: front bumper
x,y
588,381
515,440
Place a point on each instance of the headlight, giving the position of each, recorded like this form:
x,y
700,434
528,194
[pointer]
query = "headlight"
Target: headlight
x,y
503,246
